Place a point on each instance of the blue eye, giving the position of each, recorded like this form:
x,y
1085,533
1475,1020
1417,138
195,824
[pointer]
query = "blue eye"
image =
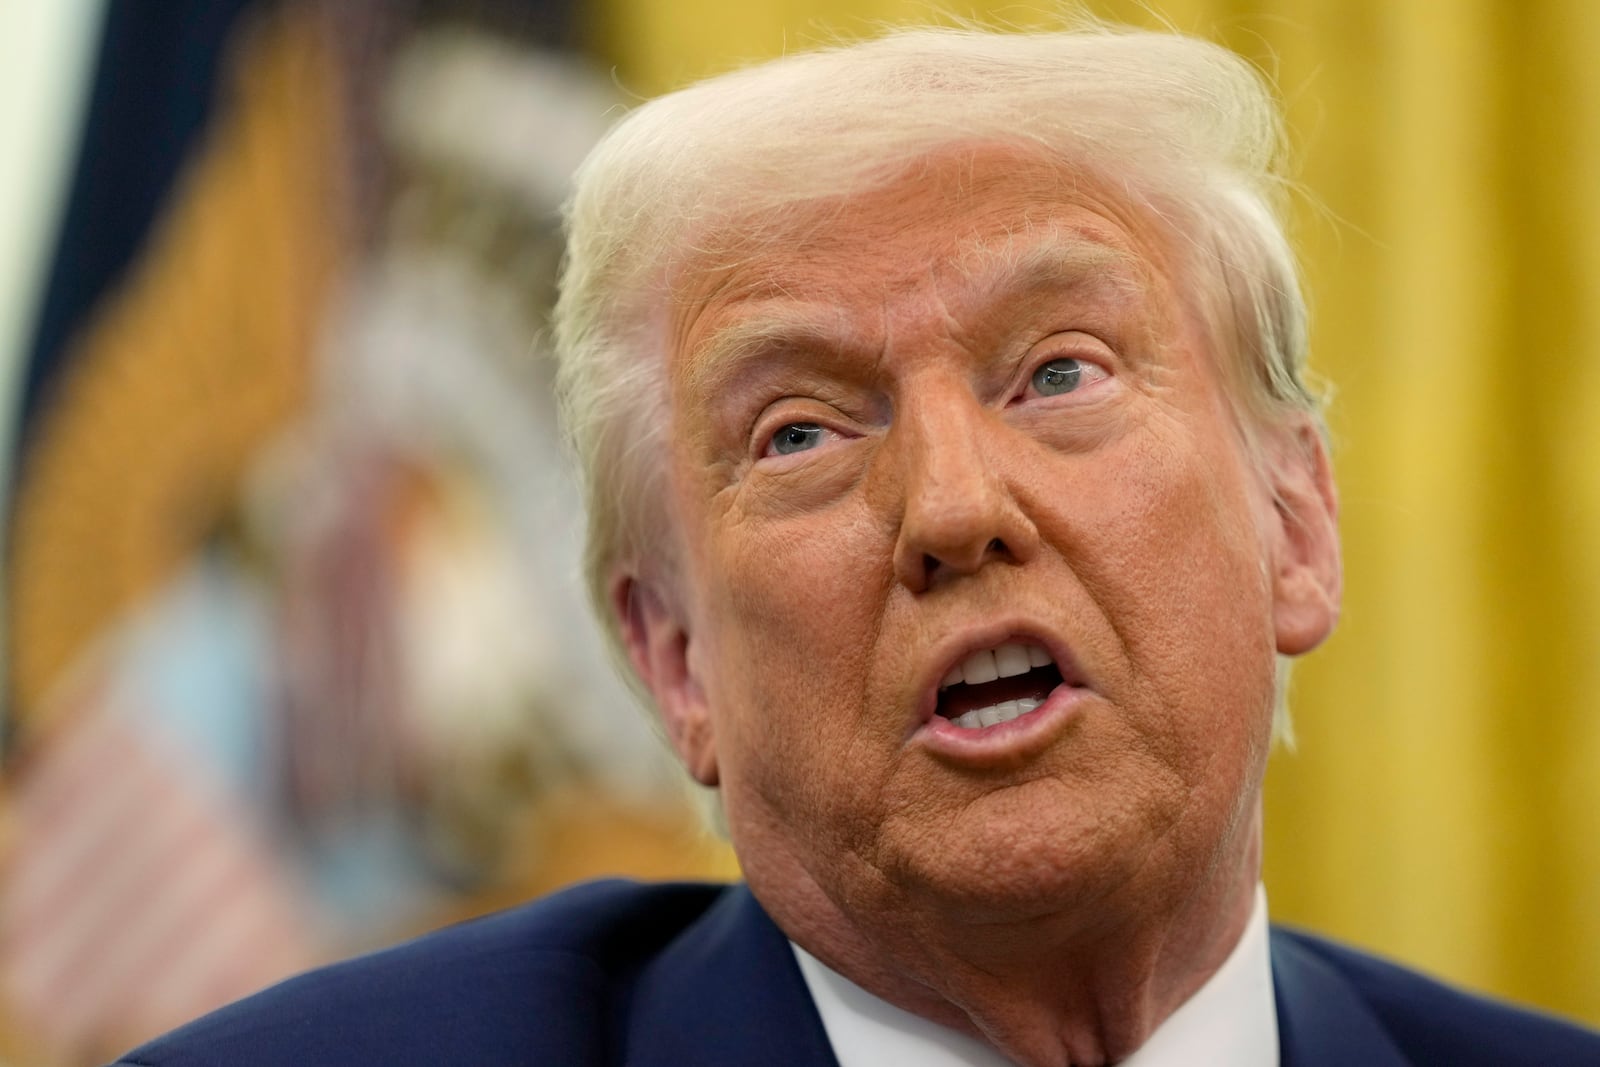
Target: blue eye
x,y
1058,376
796,437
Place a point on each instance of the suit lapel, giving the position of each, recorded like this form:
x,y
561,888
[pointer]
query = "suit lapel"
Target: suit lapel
x,y
726,993
1322,1020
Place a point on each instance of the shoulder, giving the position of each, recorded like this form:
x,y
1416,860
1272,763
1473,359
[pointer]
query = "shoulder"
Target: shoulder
x,y
1428,1021
531,985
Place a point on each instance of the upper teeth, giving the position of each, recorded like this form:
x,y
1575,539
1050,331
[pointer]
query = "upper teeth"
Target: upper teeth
x,y
1008,660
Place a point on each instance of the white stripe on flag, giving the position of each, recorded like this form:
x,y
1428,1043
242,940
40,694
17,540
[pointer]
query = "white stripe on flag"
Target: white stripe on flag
x,y
138,893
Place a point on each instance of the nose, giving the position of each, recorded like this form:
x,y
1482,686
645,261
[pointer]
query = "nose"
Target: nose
x,y
960,512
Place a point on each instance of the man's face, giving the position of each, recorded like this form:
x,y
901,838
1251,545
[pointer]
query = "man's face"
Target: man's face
x,y
961,426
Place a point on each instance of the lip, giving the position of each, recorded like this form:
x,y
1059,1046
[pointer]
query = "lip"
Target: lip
x,y
1010,741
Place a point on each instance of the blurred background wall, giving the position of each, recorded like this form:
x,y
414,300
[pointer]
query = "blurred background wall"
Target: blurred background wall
x,y
295,663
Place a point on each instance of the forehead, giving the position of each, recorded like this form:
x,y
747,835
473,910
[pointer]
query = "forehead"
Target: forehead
x,y
974,229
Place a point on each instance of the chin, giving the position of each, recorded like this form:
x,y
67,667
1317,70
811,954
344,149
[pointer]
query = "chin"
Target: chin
x,y
1018,865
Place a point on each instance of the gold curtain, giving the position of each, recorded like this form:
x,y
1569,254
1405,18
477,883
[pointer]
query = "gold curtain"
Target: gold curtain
x,y
1443,802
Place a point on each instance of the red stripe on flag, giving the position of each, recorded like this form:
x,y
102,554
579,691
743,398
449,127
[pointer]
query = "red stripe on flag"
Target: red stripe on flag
x,y
139,894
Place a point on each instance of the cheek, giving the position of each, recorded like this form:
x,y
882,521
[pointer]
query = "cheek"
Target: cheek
x,y
791,611
798,582
1178,570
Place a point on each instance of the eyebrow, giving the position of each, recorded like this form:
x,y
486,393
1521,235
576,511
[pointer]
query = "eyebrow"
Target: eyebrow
x,y
785,331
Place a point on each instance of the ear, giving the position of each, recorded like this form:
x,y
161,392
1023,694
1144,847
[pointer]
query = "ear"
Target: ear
x,y
1307,575
657,642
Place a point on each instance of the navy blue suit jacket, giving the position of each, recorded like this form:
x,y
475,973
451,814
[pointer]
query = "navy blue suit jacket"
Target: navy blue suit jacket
x,y
616,973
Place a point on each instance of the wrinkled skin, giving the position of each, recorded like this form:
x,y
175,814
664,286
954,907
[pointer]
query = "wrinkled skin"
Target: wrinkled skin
x,y
1062,891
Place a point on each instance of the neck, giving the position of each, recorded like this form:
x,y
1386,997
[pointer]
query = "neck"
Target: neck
x,y
1081,987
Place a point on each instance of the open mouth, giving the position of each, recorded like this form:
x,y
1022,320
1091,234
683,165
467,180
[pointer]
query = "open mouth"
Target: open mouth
x,y
996,685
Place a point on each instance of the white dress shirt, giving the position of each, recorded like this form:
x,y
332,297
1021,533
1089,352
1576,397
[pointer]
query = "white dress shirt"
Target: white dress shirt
x,y
1230,1021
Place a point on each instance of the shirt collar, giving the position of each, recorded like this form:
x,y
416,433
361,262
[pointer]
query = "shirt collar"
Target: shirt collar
x,y
1231,1019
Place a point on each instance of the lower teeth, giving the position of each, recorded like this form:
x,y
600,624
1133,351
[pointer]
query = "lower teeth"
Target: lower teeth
x,y
996,714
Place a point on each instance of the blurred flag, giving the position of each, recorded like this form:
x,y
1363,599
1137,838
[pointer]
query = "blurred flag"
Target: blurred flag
x,y
135,892
197,258
295,664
